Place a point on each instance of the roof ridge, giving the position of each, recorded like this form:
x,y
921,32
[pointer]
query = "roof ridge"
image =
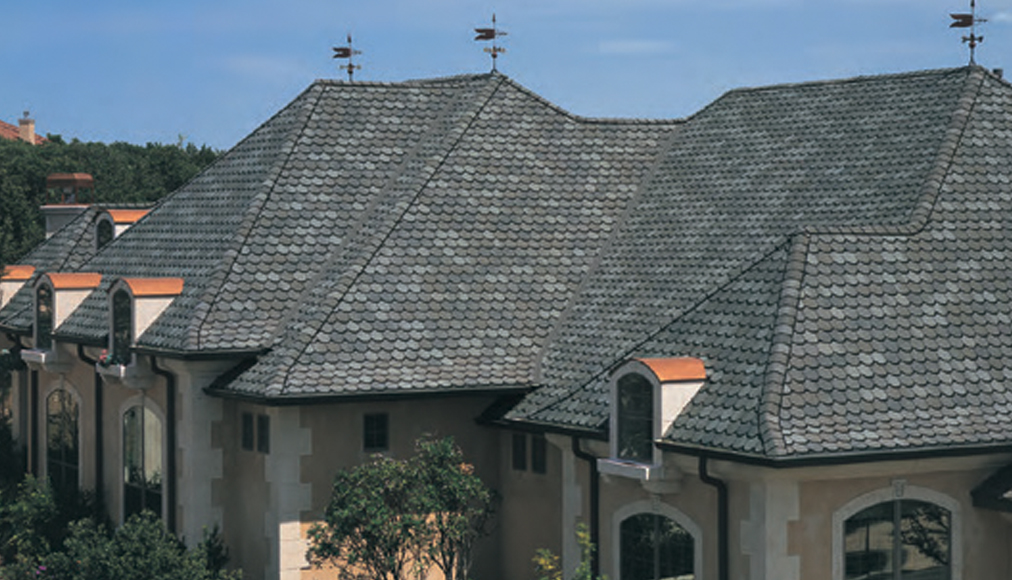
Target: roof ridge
x,y
254,209
771,400
411,83
853,79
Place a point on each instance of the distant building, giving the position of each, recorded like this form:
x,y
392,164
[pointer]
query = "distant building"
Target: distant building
x,y
24,131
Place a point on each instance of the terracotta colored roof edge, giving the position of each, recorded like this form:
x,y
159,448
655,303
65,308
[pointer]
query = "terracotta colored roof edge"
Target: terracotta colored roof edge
x,y
676,369
127,216
74,280
150,287
17,273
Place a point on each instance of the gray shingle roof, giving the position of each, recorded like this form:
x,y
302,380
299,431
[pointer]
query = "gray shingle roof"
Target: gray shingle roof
x,y
710,263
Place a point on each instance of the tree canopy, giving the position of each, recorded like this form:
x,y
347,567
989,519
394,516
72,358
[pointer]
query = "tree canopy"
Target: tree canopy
x,y
124,173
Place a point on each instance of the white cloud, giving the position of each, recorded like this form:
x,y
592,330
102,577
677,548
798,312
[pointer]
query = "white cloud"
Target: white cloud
x,y
635,47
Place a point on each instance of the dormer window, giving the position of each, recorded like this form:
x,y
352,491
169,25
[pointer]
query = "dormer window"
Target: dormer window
x,y
103,233
12,279
44,317
648,395
635,415
122,327
113,222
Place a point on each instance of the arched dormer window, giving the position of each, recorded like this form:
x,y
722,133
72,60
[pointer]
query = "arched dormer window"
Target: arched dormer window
x,y
122,327
104,233
635,414
43,317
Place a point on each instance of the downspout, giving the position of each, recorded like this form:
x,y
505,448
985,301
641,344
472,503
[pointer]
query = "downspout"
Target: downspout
x,y
722,517
33,459
170,436
23,403
595,495
99,447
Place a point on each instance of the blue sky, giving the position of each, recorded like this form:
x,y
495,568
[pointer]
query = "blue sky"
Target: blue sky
x,y
212,70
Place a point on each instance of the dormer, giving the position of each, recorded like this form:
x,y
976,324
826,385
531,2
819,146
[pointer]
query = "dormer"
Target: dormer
x,y
111,223
13,279
57,296
134,304
647,395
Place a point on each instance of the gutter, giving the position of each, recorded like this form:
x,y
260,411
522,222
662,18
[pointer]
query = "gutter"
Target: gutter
x,y
170,436
722,517
99,455
595,511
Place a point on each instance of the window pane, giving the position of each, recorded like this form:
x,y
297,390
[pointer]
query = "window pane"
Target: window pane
x,y
375,436
44,318
104,234
519,451
924,531
539,454
142,461
122,327
635,418
868,543
654,547
62,441
247,431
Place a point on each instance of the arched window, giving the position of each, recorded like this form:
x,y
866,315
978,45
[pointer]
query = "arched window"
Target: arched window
x,y
104,233
62,444
654,547
122,327
899,539
142,461
44,317
635,418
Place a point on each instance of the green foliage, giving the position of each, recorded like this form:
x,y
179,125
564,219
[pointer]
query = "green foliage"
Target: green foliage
x,y
122,172
394,519
548,567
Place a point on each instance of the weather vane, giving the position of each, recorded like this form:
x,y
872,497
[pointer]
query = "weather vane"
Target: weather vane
x,y
970,21
491,34
348,52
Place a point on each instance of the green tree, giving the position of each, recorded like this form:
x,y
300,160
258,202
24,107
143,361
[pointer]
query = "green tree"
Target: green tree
x,y
393,519
548,567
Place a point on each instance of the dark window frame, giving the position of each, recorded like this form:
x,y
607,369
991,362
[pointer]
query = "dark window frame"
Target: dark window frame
x,y
909,522
519,451
63,441
44,317
376,432
105,232
635,417
122,327
653,546
141,490
247,436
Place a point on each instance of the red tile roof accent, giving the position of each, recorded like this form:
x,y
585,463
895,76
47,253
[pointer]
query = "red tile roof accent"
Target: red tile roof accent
x,y
17,273
127,216
75,280
11,133
148,287
69,180
676,369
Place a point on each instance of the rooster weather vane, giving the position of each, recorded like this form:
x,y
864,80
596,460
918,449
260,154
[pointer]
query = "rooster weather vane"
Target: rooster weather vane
x,y
349,53
491,34
971,20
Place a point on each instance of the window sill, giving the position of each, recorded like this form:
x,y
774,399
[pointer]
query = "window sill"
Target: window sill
x,y
131,376
50,361
654,478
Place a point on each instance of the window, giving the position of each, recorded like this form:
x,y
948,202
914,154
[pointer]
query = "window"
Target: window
x,y
263,434
103,233
654,547
635,419
62,459
539,454
44,318
376,432
247,431
519,451
898,539
142,461
122,328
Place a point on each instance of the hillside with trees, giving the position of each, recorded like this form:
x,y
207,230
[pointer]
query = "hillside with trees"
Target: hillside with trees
x,y
123,172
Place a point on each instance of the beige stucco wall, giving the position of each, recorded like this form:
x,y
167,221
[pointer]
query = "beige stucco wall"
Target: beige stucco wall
x,y
336,443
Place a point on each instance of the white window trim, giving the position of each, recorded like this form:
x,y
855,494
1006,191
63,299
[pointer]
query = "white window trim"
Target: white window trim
x,y
900,490
52,387
139,400
659,508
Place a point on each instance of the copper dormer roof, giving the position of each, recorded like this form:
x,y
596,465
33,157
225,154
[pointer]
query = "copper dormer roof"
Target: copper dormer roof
x,y
17,273
148,287
127,216
676,369
74,281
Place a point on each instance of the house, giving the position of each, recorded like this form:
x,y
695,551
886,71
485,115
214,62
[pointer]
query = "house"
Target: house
x,y
766,341
23,131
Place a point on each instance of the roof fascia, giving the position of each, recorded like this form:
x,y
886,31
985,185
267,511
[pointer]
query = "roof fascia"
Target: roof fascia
x,y
292,400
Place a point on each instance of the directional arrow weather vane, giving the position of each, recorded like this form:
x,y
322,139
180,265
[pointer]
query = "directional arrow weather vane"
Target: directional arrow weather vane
x,y
348,52
971,20
491,34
